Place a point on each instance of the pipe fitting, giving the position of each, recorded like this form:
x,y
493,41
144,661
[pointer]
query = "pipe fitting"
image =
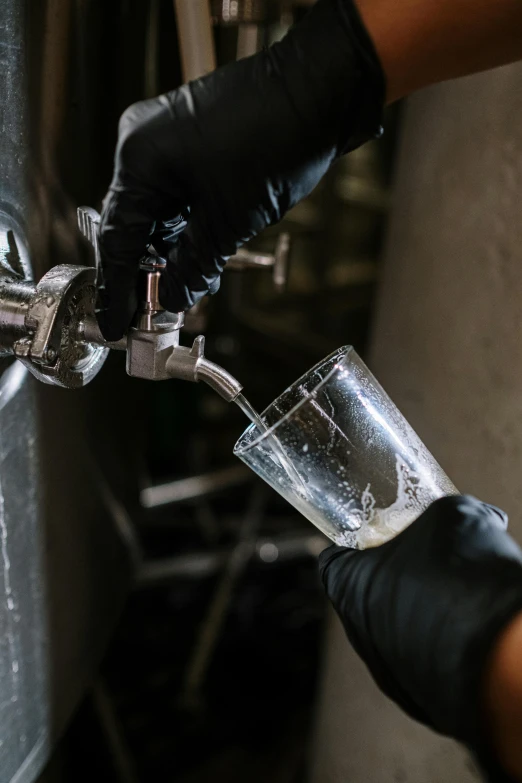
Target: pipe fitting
x,y
191,365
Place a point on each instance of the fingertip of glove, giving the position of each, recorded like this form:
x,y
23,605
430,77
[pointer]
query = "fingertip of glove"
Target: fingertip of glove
x,y
498,516
214,286
455,508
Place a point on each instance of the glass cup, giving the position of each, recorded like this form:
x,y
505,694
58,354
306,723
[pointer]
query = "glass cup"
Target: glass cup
x,y
336,447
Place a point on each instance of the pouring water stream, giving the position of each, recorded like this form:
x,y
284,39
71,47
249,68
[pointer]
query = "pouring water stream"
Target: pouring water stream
x,y
278,450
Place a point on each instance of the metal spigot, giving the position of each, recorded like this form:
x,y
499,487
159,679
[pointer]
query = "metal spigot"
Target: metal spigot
x,y
278,261
153,348
52,327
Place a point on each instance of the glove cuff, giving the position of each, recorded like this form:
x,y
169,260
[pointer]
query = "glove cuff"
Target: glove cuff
x,y
333,76
370,89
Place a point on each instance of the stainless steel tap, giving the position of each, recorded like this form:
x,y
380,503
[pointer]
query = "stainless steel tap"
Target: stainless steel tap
x,y
52,328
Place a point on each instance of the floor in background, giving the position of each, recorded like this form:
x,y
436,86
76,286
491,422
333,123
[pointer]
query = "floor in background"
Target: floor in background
x,y
251,719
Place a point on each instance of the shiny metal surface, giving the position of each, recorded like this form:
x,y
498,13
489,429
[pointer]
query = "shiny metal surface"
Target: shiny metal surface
x,y
194,487
151,316
88,223
51,351
25,678
40,325
212,374
15,299
156,355
89,332
152,291
239,11
48,326
148,351
190,364
64,571
153,349
278,261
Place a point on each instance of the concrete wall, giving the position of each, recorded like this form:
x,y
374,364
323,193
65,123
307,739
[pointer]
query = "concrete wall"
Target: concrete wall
x,y
448,348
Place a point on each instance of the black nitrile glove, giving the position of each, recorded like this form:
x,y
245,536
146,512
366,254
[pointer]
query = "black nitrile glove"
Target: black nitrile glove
x,y
425,609
231,153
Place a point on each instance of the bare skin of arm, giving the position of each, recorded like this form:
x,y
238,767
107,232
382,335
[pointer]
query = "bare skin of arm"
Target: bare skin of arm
x,y
421,42
503,698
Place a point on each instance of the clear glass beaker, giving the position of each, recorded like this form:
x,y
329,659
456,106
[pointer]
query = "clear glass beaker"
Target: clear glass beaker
x,y
336,447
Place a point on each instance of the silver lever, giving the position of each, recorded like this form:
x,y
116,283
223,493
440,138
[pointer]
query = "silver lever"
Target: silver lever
x,y
89,223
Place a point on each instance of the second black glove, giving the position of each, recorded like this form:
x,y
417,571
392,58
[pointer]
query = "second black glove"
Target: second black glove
x,y
425,609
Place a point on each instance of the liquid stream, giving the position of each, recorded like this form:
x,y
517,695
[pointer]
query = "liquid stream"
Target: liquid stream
x,y
274,443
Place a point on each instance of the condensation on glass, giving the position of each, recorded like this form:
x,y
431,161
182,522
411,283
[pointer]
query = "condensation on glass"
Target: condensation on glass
x,y
337,448
63,569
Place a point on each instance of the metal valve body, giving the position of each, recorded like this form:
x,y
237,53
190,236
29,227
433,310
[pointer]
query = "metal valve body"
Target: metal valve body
x,y
52,328
40,325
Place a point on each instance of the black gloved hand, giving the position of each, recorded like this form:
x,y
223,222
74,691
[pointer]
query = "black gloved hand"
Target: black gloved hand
x,y
231,153
424,611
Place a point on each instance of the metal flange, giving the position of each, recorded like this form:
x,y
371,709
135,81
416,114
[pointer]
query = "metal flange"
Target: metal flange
x,y
52,349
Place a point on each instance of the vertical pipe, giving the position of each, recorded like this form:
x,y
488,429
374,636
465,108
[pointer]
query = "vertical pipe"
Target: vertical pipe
x,y
151,50
54,81
195,37
247,40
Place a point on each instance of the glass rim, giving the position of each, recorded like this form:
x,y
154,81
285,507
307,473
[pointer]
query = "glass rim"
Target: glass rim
x,y
343,352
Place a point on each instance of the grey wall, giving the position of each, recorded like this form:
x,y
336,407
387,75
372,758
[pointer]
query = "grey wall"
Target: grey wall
x,y
447,347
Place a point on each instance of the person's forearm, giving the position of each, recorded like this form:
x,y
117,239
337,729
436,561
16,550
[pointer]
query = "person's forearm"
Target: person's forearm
x,y
503,699
421,42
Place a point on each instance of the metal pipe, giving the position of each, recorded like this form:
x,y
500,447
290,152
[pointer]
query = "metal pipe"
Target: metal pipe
x,y
191,365
195,487
69,351
200,565
151,50
218,608
196,41
247,40
119,749
239,12
89,332
218,379
15,298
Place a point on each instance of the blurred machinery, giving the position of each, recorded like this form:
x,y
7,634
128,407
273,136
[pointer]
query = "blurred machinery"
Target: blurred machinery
x,y
52,330
89,506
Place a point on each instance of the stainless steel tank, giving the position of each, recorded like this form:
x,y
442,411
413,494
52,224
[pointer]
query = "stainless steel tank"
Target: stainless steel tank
x,y
65,468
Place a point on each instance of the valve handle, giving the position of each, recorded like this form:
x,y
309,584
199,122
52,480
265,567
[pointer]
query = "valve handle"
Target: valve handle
x,y
277,261
88,223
